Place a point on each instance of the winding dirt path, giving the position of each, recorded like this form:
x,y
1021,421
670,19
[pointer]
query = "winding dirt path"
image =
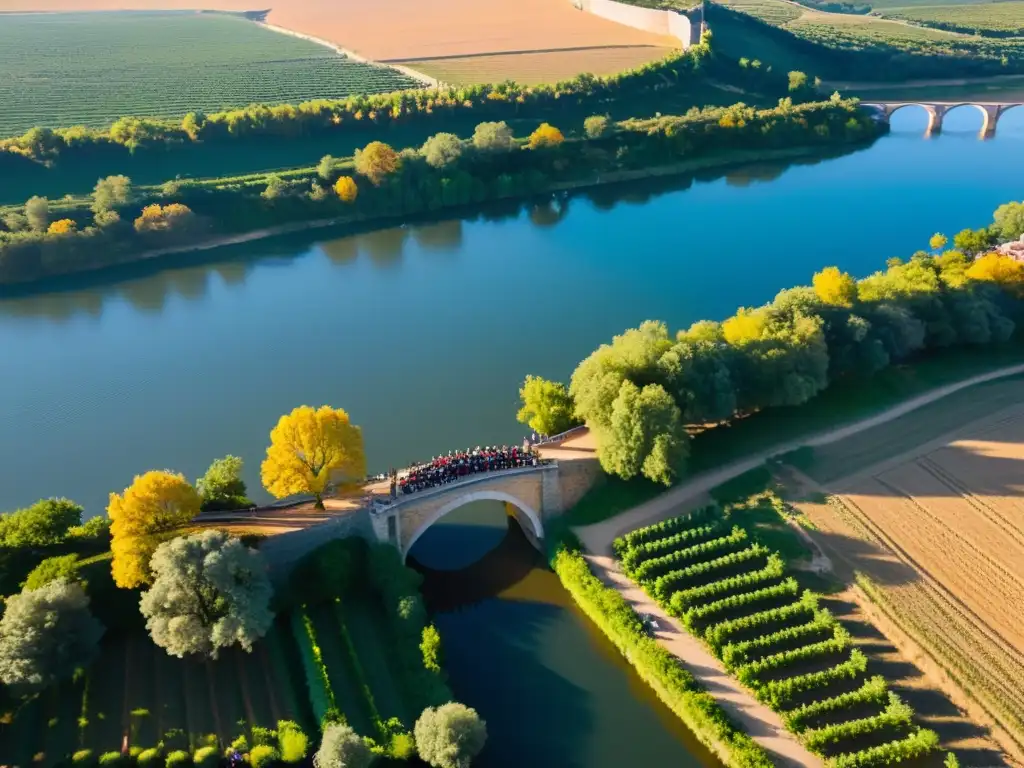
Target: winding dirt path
x,y
598,538
763,725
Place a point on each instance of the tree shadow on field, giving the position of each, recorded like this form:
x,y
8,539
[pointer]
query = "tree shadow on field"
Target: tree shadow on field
x,y
853,554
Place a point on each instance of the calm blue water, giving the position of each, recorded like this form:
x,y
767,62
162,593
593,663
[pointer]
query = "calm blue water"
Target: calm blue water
x,y
423,333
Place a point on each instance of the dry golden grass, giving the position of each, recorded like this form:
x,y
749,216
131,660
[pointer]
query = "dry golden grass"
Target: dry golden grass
x,y
535,68
940,535
409,29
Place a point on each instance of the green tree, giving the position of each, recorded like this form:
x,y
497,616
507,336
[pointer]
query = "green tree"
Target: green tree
x,y
596,126
342,747
450,736
493,137
110,193
37,213
275,188
546,406
325,168
44,523
646,435
1008,221
972,241
15,222
442,150
192,124
45,635
209,592
64,567
222,486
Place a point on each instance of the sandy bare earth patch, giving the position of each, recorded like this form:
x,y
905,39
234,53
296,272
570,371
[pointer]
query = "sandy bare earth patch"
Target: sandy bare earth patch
x,y
409,29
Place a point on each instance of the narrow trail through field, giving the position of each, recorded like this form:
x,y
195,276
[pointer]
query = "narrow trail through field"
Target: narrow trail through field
x,y
598,537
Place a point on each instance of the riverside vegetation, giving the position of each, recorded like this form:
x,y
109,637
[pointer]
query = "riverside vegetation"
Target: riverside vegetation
x,y
341,648
647,393
120,223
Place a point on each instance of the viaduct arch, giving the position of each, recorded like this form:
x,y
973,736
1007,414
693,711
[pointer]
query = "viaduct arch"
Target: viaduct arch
x,y
937,110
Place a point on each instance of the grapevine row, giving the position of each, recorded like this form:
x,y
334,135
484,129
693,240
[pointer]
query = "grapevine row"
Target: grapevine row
x,y
685,599
632,556
916,745
735,654
778,693
660,530
895,715
749,674
874,691
661,565
718,634
663,586
707,613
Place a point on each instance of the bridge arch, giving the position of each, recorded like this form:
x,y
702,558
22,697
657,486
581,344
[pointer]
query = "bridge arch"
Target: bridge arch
x,y
485,494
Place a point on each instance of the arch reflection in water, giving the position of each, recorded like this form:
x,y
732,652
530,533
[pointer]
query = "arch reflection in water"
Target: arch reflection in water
x,y
461,537
551,687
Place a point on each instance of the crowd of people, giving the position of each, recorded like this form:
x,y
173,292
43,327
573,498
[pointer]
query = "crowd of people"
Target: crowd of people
x,y
442,470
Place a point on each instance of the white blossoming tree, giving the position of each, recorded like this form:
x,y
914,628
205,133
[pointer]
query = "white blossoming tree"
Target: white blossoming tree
x,y
209,592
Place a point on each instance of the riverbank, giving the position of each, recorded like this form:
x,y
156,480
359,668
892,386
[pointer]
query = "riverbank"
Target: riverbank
x,y
716,162
494,166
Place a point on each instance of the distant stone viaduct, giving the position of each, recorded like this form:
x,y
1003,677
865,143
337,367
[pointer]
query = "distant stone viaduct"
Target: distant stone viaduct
x,y
991,112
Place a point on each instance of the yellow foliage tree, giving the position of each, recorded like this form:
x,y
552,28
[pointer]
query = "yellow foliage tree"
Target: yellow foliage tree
x,y
155,503
346,189
377,160
546,135
834,287
158,217
61,227
745,326
312,451
999,268
937,241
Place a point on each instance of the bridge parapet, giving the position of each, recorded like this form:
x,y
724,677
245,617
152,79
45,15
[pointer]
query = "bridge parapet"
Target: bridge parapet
x,y
937,110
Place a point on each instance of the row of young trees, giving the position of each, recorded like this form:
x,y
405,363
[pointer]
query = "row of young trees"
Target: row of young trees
x,y
640,393
380,181
500,100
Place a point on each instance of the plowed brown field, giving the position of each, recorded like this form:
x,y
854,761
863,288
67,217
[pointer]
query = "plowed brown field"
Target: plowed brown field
x,y
940,534
410,29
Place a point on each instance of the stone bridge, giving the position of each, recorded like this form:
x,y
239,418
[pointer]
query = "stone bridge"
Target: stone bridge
x,y
531,494
991,112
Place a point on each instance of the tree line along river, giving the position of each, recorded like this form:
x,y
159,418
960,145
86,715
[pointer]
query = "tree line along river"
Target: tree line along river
x,y
423,333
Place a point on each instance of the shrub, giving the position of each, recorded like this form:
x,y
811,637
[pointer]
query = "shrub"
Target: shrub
x,y
206,757
52,568
403,746
596,126
545,136
321,697
292,743
656,566
346,189
666,584
113,760
150,758
341,747
83,758
263,756
262,736
874,691
179,758
656,666
450,736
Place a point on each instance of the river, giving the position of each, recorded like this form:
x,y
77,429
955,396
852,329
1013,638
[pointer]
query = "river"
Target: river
x,y
424,332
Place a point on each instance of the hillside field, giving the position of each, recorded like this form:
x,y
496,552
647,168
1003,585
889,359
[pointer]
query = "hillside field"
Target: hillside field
x,y
933,521
92,68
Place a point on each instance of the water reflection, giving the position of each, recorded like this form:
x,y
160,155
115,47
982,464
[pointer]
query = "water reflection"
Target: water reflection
x,y
462,537
551,687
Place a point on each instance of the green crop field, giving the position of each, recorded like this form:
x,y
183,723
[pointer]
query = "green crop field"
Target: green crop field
x,y
1002,19
92,68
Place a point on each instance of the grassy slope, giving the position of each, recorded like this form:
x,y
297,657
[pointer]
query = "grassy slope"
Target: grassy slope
x,y
366,625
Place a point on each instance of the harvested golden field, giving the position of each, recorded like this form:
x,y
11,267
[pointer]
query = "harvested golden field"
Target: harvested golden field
x,y
535,68
385,30
938,532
